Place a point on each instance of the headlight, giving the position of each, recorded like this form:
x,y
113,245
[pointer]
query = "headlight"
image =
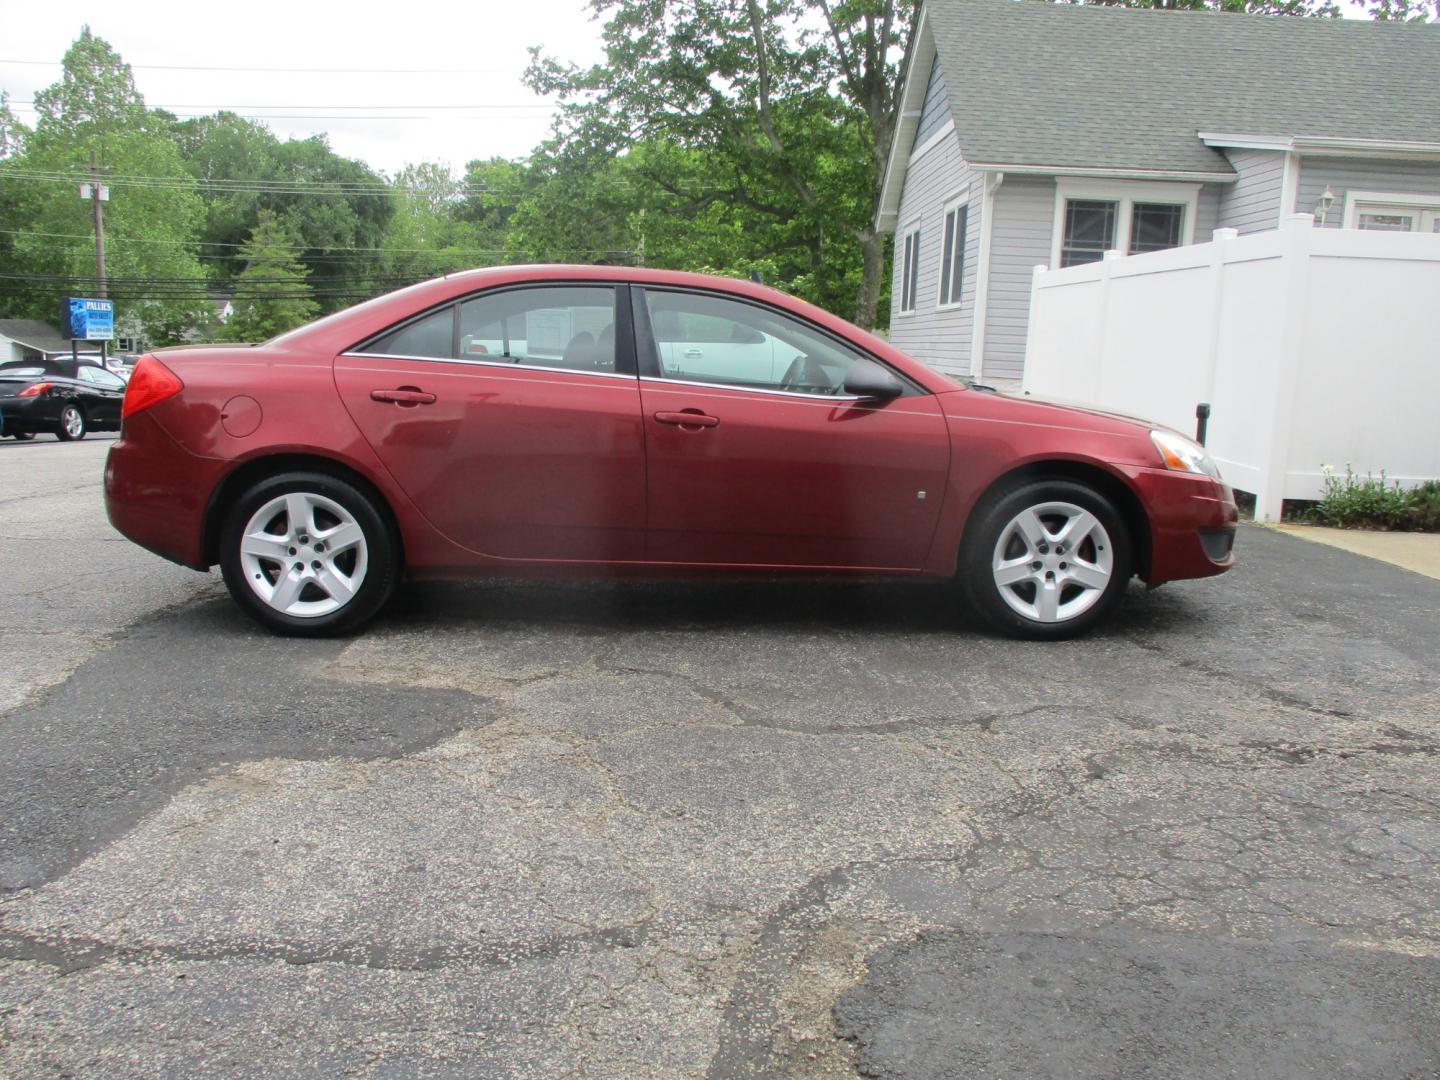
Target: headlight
x,y
1182,455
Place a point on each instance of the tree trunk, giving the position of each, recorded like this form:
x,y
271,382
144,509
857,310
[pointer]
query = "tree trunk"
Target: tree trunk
x,y
872,246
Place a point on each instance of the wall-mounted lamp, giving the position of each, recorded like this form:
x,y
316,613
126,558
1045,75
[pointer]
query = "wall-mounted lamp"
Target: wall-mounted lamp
x,y
1323,204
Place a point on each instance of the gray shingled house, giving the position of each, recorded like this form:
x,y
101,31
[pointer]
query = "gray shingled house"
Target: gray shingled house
x,y
30,339
1040,133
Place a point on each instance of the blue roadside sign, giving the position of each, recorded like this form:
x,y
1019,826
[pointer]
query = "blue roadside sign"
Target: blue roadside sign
x,y
87,320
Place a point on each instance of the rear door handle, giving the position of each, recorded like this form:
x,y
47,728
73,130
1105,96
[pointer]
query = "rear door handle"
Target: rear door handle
x,y
405,395
688,419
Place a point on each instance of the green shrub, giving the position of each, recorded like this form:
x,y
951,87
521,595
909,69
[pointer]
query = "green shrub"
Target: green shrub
x,y
1368,502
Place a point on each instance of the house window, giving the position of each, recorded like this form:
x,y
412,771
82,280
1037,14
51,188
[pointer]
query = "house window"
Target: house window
x,y
1089,231
952,255
1383,212
1133,216
1155,227
1387,222
910,270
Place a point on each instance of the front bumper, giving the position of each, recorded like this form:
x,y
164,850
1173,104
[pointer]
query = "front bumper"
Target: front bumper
x,y
1192,524
156,491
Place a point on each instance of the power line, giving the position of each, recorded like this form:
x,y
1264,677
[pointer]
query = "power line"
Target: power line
x,y
296,70
460,188
226,244
263,187
329,105
343,116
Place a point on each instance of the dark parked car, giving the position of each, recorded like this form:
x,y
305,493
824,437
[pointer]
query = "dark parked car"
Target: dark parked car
x,y
604,421
61,397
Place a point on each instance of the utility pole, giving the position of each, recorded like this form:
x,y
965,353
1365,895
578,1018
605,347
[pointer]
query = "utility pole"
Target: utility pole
x,y
97,193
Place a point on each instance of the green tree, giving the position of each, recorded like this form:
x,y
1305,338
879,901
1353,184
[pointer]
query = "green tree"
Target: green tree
x,y
426,234
1404,10
330,205
12,131
151,218
272,294
791,104
96,93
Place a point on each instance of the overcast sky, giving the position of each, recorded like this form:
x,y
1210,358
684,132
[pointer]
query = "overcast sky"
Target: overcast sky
x,y
414,64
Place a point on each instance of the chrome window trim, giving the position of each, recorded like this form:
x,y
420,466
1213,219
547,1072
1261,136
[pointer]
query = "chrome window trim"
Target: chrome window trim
x,y
751,389
504,365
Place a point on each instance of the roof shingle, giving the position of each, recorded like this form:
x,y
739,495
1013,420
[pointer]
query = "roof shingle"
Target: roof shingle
x,y
1080,86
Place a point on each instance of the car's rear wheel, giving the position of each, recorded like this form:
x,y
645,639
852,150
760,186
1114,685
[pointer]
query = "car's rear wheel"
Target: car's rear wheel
x,y
308,555
22,436
72,424
1046,559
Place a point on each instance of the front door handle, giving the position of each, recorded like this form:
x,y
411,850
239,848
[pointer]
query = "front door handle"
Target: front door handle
x,y
688,419
407,396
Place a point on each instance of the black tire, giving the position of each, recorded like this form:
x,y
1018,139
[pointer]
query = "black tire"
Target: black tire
x,y
992,522
71,416
381,550
22,436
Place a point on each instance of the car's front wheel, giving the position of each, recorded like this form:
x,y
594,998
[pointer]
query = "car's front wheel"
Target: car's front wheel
x,y
308,555
1046,559
72,424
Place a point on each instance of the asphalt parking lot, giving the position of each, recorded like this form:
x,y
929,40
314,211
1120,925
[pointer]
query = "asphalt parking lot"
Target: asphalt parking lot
x,y
702,830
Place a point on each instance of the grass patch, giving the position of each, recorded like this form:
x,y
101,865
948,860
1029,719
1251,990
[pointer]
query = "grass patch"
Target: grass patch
x,y
1371,502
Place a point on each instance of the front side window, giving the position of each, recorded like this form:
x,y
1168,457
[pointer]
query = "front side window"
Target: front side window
x,y
713,339
952,256
910,270
1089,231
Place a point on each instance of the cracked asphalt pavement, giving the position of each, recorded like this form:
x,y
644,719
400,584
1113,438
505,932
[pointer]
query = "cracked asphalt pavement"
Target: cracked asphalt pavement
x,y
686,830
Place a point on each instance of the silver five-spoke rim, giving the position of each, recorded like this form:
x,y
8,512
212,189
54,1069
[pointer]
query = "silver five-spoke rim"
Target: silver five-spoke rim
x,y
74,422
1053,562
303,554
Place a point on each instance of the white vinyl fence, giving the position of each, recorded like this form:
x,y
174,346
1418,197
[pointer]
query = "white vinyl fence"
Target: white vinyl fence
x,y
1313,347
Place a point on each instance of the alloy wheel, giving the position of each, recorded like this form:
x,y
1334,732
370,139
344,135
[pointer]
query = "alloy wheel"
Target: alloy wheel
x,y
303,554
1053,562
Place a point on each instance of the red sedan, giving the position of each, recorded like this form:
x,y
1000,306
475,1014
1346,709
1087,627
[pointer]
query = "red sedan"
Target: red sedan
x,y
603,421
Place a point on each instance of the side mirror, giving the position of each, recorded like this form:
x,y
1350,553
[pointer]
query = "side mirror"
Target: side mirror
x,y
867,379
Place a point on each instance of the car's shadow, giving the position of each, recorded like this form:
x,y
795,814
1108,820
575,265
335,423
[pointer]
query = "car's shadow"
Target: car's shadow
x,y
883,607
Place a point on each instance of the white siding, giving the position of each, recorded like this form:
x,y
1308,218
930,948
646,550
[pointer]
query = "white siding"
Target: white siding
x,y
1023,226
1358,174
941,338
1252,203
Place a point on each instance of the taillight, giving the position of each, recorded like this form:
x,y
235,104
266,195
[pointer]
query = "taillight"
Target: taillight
x,y
35,389
150,383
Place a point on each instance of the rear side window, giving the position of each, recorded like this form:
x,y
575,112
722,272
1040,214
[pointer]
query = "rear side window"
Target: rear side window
x,y
100,377
556,326
559,326
431,336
